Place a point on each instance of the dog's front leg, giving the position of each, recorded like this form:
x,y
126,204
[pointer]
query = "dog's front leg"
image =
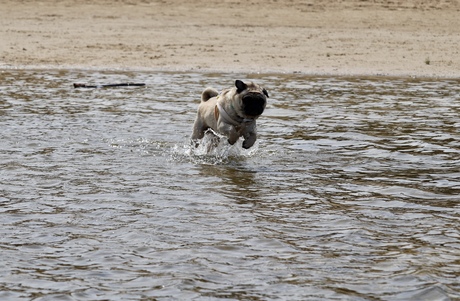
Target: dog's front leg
x,y
229,131
249,140
250,136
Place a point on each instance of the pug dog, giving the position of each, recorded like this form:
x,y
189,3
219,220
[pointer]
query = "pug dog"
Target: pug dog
x,y
232,113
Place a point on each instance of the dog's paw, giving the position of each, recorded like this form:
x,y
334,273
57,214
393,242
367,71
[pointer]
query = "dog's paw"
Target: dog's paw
x,y
247,145
231,142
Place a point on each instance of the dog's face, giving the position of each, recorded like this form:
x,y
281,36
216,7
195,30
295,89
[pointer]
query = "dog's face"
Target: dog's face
x,y
253,98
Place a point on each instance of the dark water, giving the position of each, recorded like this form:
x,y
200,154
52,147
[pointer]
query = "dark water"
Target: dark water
x,y
351,192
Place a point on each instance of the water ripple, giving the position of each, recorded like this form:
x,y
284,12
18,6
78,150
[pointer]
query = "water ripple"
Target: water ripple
x,y
351,192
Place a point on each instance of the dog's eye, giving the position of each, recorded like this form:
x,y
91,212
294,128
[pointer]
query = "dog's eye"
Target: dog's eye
x,y
265,92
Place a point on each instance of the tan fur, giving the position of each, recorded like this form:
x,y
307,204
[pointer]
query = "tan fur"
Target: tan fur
x,y
233,122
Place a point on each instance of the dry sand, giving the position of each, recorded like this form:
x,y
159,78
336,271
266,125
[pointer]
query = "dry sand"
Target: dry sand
x,y
341,37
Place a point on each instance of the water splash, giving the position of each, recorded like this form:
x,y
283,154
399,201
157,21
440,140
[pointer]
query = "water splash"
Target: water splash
x,y
212,151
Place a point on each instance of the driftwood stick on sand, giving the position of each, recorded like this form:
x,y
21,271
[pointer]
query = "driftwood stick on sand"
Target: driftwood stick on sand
x,y
79,85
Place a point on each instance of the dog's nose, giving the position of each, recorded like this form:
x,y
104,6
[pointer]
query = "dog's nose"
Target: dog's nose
x,y
254,104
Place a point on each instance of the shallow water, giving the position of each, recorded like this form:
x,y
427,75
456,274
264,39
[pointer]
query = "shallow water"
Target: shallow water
x,y
351,192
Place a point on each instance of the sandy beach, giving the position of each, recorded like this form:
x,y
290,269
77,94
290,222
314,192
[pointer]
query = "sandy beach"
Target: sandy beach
x,y
349,37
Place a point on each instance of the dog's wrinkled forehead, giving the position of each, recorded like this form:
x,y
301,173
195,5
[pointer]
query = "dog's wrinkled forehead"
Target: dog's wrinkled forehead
x,y
249,88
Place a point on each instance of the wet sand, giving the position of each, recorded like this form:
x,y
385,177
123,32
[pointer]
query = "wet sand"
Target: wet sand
x,y
396,38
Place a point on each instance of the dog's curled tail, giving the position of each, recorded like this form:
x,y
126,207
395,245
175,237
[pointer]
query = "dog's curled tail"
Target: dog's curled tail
x,y
208,93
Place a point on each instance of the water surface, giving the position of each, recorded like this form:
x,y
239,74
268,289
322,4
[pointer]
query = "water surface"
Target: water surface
x,y
350,193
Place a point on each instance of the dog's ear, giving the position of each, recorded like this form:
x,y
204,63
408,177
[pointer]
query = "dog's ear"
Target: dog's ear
x,y
265,93
240,86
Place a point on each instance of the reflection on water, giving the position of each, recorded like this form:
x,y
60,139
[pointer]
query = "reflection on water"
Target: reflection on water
x,y
351,192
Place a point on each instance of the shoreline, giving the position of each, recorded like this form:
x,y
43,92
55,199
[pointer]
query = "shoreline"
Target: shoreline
x,y
416,38
214,71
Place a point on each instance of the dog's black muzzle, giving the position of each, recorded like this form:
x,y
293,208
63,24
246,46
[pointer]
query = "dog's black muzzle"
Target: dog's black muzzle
x,y
254,104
